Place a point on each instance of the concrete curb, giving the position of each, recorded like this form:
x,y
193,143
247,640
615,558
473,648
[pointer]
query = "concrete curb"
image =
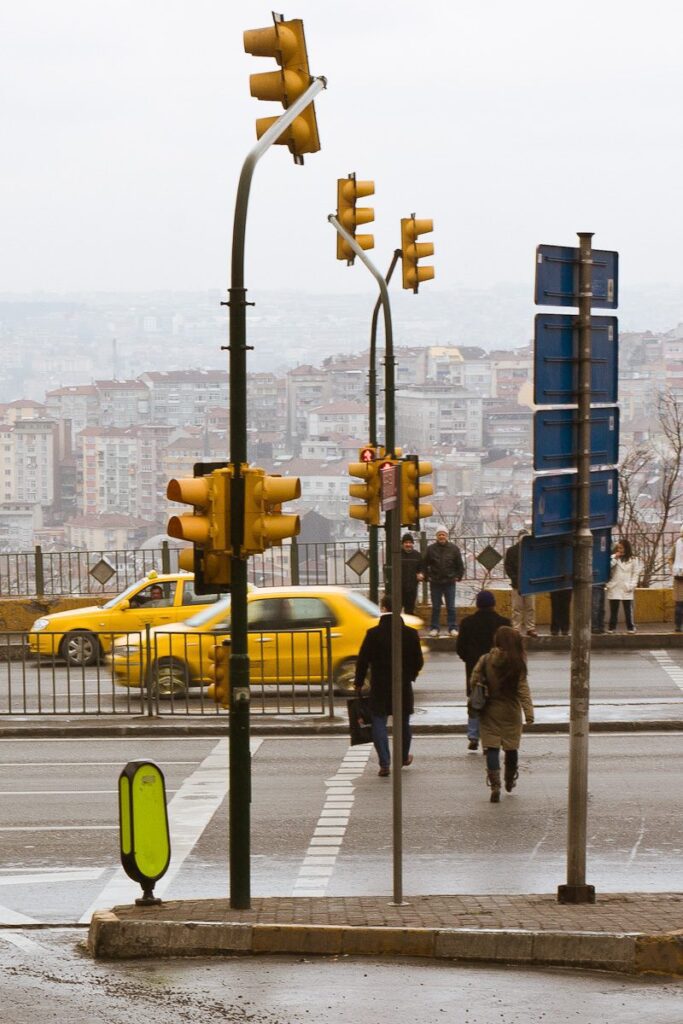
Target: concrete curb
x,y
110,938
159,728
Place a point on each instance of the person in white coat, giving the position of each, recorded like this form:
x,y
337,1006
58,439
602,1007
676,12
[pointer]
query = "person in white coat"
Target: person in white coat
x,y
624,573
676,559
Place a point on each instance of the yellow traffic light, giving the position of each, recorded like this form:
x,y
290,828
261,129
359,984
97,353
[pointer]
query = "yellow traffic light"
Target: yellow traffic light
x,y
349,191
207,528
412,509
264,522
369,492
219,689
412,251
287,44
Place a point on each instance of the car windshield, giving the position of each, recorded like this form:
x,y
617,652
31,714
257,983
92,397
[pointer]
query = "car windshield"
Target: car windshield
x,y
209,613
368,606
120,597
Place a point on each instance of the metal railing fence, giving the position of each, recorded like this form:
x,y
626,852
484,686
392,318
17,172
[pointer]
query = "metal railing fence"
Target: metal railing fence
x,y
160,673
41,573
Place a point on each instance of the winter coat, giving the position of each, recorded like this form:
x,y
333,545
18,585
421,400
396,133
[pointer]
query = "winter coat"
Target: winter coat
x,y
500,722
375,654
676,559
623,579
443,563
511,565
476,637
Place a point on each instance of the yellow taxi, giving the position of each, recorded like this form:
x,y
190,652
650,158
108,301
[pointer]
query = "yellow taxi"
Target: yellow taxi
x,y
287,640
82,635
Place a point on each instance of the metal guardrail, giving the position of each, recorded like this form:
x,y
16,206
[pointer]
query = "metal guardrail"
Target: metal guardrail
x,y
159,673
41,573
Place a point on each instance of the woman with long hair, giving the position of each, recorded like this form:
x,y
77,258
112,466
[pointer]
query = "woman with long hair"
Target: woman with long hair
x,y
623,580
504,673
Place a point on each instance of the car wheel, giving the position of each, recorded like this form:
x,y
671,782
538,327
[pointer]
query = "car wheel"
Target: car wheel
x,y
345,677
80,649
169,678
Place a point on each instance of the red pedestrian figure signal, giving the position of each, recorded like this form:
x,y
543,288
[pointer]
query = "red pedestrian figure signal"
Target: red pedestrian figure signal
x,y
367,455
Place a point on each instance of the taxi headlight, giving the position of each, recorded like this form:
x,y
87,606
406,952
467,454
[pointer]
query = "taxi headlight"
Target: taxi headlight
x,y
39,624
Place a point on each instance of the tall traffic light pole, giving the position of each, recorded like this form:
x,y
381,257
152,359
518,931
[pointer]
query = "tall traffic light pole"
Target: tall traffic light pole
x,y
240,764
372,424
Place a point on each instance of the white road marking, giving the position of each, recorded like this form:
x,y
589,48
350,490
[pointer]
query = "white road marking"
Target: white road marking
x,y
8,916
52,875
82,764
57,828
189,812
63,792
320,858
22,941
674,671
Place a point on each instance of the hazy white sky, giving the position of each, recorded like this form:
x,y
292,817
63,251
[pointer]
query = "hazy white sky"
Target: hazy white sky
x,y
124,125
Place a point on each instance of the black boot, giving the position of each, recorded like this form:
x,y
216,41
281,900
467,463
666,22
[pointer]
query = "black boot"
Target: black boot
x,y
511,776
493,780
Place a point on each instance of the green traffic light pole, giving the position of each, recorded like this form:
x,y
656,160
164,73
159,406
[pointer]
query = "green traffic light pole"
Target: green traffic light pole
x,y
240,758
372,424
393,515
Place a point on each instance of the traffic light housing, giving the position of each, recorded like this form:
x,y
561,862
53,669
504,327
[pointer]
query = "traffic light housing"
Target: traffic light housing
x,y
265,524
287,44
349,191
219,688
207,528
412,251
369,491
412,509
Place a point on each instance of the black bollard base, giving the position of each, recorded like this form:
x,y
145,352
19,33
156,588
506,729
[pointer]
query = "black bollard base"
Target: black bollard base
x,y
576,894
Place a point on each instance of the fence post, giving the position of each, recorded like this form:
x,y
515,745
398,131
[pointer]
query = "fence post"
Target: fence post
x,y
294,562
149,685
40,572
330,679
165,558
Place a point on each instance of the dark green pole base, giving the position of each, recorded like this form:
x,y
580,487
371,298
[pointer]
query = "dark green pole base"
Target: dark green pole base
x,y
576,894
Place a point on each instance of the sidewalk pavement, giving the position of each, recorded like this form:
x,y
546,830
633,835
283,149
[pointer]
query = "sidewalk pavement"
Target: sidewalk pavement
x,y
624,932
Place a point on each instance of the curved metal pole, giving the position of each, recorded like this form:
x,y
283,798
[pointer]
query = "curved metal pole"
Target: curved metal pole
x,y
372,429
240,764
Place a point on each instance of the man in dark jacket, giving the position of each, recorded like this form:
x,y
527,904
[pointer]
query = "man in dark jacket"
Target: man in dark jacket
x,y
523,606
476,638
443,567
412,571
375,654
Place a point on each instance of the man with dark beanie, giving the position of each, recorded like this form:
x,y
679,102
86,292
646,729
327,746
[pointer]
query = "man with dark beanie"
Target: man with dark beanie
x,y
474,639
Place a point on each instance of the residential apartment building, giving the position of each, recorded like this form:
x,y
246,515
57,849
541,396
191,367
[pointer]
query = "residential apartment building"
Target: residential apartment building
x,y
438,414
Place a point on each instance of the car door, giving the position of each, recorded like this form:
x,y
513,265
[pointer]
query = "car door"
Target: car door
x,y
152,605
309,618
270,652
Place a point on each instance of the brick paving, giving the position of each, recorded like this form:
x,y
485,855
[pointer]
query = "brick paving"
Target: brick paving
x,y
613,913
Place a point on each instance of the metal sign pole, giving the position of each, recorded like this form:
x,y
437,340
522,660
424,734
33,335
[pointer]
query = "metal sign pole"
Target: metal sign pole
x,y
394,538
576,890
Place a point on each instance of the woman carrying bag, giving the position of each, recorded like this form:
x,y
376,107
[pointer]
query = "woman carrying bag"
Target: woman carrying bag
x,y
676,560
623,580
504,673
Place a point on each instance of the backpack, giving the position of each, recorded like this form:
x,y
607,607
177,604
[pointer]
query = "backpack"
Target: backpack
x,y
479,693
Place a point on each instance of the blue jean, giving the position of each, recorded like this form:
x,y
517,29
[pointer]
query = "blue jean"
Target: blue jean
x,y
380,738
493,759
445,592
473,727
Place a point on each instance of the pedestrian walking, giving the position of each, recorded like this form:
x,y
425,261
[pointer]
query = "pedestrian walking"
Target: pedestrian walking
x,y
676,560
412,573
623,579
474,639
375,654
444,568
523,606
560,612
504,672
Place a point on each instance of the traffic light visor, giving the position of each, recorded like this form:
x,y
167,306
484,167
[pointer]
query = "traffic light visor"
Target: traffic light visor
x,y
192,490
192,528
279,42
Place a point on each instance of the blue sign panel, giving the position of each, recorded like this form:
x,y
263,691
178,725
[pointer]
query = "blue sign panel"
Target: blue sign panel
x,y
556,437
555,498
556,359
557,277
547,563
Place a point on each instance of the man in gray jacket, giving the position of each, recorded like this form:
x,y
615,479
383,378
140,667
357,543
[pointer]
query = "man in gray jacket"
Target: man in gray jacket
x,y
444,568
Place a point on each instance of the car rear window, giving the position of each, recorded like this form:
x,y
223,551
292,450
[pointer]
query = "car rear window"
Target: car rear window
x,y
368,606
206,614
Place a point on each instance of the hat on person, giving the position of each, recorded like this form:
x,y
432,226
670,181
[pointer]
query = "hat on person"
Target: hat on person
x,y
485,599
523,532
440,529
407,536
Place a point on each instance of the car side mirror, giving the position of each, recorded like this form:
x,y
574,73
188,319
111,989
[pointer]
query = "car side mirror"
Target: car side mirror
x,y
125,605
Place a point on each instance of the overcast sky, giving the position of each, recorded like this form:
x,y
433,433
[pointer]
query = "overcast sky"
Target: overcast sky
x,y
124,125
